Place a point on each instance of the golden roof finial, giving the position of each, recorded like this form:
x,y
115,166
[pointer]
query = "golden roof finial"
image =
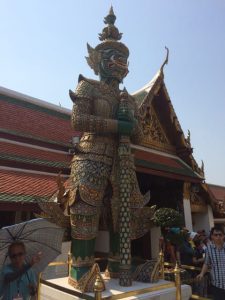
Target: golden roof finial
x,y
110,32
188,139
166,59
203,167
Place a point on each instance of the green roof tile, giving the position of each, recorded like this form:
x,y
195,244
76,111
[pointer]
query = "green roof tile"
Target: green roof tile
x,y
5,197
34,161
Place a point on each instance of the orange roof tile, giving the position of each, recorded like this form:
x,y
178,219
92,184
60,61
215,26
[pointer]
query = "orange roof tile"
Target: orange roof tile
x,y
26,184
17,116
218,192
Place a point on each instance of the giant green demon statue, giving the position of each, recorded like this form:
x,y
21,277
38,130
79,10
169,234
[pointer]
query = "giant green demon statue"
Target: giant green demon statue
x,y
95,185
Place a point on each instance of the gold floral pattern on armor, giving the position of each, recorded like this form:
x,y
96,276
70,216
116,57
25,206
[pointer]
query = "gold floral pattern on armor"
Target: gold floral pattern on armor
x,y
100,145
84,227
80,262
82,208
91,195
94,106
72,196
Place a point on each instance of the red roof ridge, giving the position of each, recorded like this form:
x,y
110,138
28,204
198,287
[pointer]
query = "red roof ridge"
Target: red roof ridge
x,y
33,100
147,149
215,185
163,154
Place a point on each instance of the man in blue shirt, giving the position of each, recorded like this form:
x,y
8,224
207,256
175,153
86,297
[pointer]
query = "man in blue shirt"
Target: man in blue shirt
x,y
18,281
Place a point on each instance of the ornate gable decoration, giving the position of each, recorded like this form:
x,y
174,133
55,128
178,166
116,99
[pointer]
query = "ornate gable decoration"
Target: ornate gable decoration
x,y
154,135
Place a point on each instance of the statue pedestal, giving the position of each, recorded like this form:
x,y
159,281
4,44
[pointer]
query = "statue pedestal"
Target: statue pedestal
x,y
58,289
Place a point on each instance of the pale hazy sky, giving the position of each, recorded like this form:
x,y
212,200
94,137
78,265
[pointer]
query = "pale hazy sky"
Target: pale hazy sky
x,y
43,44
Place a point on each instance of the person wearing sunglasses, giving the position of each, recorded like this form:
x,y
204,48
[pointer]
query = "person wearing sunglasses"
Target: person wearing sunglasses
x,y
215,262
18,281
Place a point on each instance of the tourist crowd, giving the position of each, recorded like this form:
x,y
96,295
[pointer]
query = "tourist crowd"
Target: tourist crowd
x,y
205,252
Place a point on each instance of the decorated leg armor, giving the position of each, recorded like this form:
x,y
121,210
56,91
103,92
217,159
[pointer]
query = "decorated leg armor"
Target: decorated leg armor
x,y
89,184
84,226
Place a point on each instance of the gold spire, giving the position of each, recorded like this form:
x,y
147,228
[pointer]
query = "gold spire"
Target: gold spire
x,y
110,32
111,12
110,35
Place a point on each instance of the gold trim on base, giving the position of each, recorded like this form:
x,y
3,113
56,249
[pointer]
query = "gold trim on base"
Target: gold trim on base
x,y
199,297
140,292
72,282
113,297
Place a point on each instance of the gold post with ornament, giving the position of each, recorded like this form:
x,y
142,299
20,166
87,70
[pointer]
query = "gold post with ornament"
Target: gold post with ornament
x,y
161,258
161,270
98,287
69,262
177,281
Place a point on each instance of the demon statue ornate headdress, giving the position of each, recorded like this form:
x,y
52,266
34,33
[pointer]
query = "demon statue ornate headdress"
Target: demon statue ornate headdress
x,y
110,45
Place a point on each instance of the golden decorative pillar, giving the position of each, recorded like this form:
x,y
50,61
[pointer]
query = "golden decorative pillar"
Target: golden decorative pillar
x,y
98,287
69,262
177,281
161,259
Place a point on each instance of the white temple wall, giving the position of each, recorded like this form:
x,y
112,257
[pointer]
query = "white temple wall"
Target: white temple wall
x,y
203,220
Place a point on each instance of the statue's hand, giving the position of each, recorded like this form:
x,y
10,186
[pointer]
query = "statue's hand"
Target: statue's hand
x,y
125,114
126,128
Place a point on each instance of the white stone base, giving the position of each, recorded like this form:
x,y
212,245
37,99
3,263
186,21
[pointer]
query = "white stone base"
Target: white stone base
x,y
136,291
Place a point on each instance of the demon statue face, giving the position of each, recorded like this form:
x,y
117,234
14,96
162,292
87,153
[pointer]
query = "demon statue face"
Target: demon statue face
x,y
113,65
109,58
108,63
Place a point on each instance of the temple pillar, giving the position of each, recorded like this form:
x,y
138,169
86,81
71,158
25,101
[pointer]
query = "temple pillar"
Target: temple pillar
x,y
187,206
204,220
155,236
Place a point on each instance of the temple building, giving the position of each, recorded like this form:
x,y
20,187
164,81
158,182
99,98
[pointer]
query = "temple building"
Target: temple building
x,y
217,195
36,145
35,138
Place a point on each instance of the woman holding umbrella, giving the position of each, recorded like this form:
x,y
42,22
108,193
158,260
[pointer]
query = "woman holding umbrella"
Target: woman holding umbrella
x,y
19,263
18,281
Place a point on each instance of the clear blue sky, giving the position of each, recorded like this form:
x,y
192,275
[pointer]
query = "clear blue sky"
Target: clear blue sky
x,y
43,44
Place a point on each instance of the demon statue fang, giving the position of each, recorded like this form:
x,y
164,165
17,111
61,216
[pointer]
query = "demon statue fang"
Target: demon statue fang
x,y
103,180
